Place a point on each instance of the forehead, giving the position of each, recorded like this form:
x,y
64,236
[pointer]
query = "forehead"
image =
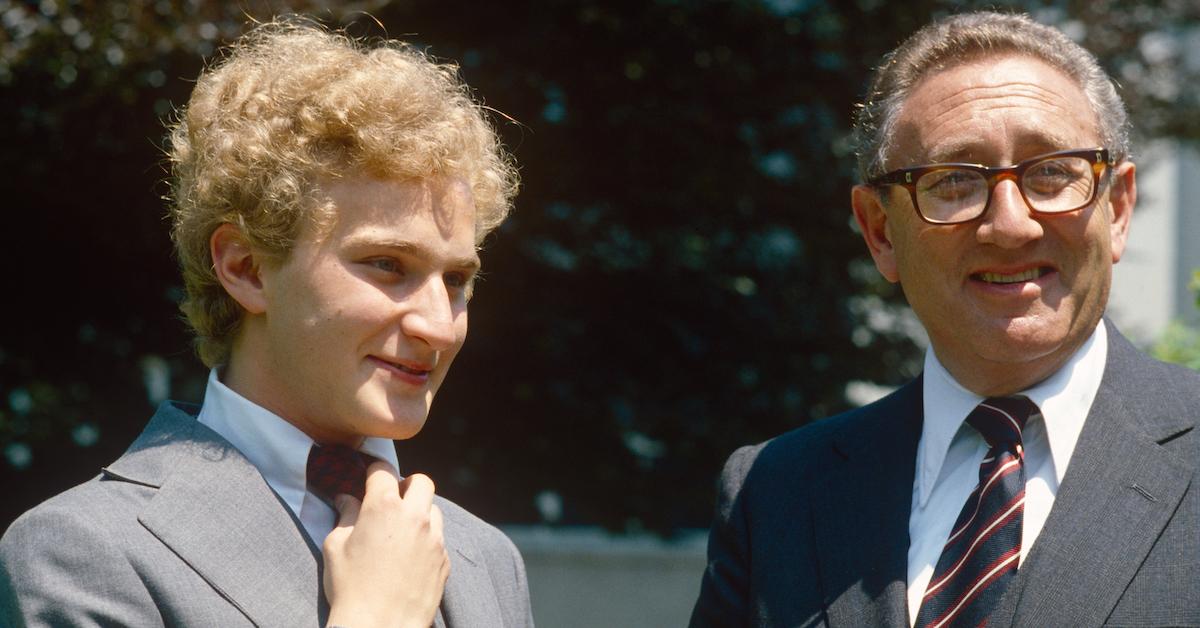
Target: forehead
x,y
438,213
995,110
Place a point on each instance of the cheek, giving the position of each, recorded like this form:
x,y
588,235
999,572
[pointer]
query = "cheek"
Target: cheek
x,y
350,299
1088,242
927,255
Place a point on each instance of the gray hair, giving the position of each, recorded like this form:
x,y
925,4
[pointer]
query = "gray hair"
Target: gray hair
x,y
950,41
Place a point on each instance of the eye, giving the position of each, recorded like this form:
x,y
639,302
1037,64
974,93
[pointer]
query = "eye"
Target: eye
x,y
1049,169
949,184
1053,175
387,265
455,280
460,284
951,178
460,281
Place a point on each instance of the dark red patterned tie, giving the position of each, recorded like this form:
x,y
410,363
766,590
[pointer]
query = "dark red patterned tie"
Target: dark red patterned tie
x,y
980,557
336,469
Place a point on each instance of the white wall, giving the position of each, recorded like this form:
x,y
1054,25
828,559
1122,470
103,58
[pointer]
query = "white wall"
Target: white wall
x,y
1143,298
587,578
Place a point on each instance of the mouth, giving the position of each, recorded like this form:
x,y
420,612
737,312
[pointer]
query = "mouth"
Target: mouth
x,y
1031,274
411,369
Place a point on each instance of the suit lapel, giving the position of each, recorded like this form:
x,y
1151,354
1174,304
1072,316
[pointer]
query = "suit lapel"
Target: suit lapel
x,y
861,515
469,598
215,511
1119,492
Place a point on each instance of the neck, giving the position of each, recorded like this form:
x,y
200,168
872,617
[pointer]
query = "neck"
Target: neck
x,y
247,375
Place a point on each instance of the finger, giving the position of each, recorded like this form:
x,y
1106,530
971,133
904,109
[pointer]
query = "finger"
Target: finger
x,y
435,521
435,525
382,480
417,490
348,508
334,542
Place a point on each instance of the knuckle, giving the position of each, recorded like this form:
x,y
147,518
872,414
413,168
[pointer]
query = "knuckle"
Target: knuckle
x,y
422,479
380,500
422,522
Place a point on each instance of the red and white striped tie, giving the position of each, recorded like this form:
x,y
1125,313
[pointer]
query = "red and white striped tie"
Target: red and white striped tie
x,y
980,557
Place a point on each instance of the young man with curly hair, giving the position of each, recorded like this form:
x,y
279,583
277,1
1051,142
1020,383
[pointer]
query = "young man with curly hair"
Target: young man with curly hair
x,y
328,198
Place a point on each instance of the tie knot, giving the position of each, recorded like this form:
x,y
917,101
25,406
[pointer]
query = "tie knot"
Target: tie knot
x,y
1002,419
336,469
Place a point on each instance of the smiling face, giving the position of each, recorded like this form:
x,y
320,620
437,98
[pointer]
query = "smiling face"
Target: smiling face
x,y
1009,297
359,325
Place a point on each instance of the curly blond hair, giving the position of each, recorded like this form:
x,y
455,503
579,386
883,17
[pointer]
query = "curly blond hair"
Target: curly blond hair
x,y
291,103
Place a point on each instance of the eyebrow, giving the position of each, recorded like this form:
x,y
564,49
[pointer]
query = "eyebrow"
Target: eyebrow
x,y
1036,144
414,249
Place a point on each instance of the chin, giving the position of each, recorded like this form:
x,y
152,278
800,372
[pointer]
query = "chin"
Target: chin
x,y
407,431
1018,344
394,427
375,424
395,417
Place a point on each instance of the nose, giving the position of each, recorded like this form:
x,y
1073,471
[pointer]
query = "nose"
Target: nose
x,y
1007,221
430,316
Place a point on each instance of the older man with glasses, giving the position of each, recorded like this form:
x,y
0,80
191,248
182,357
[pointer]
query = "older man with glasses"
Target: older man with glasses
x,y
1040,470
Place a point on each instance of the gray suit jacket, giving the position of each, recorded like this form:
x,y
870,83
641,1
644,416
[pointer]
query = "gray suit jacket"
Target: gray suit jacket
x,y
812,527
183,531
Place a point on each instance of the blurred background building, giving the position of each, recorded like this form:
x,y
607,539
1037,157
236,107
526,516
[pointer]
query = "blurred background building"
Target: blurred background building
x,y
1151,285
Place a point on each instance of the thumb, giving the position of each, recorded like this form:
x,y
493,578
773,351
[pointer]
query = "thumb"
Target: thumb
x,y
347,507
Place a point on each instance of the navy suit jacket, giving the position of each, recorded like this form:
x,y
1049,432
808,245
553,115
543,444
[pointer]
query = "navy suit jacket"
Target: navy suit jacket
x,y
811,527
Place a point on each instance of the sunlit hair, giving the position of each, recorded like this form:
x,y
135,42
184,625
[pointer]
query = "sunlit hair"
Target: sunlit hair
x,y
957,39
291,103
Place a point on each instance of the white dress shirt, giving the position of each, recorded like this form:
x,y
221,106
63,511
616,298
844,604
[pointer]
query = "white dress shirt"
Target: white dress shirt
x,y
950,451
279,450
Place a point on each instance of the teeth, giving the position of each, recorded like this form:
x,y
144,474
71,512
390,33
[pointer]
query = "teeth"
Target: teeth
x,y
1028,275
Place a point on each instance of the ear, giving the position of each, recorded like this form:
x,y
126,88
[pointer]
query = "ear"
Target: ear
x,y
237,267
873,222
1122,196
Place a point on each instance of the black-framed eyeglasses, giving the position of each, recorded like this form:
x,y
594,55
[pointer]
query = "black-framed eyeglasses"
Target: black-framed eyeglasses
x,y
1054,183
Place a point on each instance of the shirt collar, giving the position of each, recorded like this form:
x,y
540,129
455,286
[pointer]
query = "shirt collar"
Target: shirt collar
x,y
1064,398
278,449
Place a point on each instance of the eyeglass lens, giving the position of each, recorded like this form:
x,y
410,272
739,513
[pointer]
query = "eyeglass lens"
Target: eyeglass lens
x,y
1057,184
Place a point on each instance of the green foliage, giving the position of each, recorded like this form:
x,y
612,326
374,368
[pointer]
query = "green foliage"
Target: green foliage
x,y
1195,286
1180,343
679,279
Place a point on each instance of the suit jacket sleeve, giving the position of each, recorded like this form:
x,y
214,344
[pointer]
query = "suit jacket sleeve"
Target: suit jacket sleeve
x,y
724,591
512,589
57,568
487,585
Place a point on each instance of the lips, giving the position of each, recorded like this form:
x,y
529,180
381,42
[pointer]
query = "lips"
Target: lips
x,y
411,370
414,369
